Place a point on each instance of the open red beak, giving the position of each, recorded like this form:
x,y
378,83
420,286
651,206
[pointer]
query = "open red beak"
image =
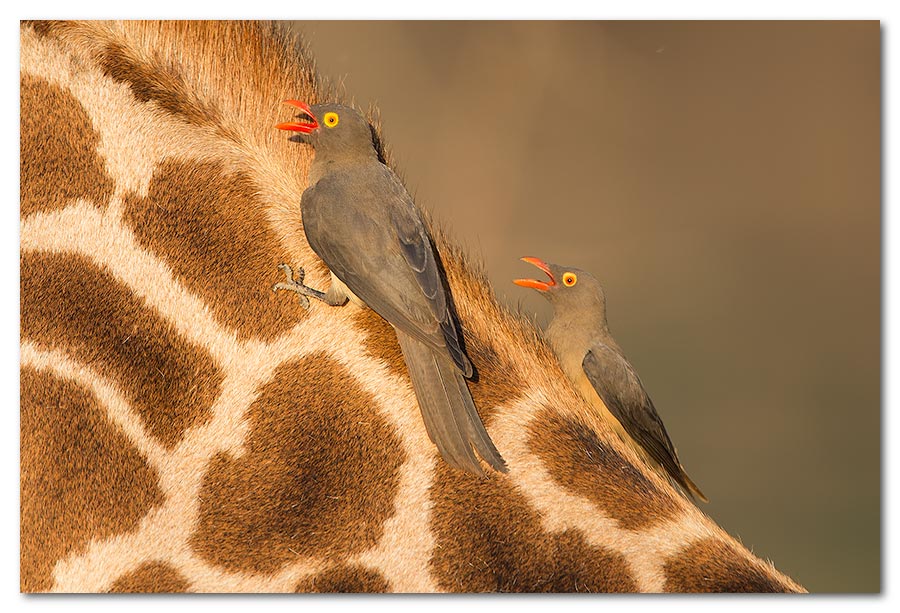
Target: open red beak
x,y
300,126
541,286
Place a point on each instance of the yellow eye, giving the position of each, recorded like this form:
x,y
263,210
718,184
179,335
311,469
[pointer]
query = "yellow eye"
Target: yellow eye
x,y
569,279
331,119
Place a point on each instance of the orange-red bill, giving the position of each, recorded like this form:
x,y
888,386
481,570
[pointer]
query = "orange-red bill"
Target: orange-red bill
x,y
300,126
542,286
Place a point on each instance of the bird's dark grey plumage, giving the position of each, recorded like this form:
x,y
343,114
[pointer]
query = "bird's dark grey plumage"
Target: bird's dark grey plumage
x,y
361,221
591,358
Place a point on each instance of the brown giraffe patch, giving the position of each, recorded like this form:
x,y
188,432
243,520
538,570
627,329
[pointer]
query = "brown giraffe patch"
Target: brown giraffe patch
x,y
69,303
583,568
487,538
346,579
211,229
497,381
153,82
578,460
151,577
80,478
45,27
58,145
381,341
712,565
319,477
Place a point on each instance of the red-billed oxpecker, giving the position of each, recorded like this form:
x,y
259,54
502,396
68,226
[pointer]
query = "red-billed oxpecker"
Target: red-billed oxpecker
x,y
594,362
361,221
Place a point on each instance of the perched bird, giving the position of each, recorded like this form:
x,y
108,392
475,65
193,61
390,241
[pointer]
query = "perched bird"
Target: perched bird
x,y
591,358
361,221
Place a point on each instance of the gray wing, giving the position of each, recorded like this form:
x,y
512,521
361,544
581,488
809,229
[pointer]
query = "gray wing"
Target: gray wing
x,y
616,382
419,254
379,248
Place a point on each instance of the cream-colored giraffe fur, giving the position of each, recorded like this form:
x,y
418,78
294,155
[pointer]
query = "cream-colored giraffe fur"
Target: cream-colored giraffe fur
x,y
654,543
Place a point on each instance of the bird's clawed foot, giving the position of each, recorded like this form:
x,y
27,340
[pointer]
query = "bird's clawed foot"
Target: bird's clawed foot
x,y
294,282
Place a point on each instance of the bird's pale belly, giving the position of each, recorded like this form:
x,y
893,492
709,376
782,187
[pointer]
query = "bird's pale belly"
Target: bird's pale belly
x,y
338,284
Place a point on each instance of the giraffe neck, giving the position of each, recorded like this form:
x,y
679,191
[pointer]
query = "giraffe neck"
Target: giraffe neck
x,y
186,429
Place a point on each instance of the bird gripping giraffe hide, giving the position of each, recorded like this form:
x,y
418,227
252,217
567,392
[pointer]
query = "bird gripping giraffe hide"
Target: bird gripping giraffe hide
x,y
363,223
185,429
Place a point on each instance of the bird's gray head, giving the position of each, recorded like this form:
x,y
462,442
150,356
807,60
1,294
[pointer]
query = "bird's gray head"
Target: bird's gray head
x,y
569,290
333,129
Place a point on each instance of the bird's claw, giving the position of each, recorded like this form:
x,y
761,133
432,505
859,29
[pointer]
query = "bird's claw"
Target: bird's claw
x,y
291,275
293,282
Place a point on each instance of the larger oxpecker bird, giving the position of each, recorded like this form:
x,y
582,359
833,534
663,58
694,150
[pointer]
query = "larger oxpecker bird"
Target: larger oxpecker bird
x,y
361,221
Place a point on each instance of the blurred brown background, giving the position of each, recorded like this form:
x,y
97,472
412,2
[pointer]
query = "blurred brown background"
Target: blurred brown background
x,y
723,180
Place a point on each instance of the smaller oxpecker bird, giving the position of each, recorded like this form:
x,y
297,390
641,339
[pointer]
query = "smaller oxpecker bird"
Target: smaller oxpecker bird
x,y
594,362
364,225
